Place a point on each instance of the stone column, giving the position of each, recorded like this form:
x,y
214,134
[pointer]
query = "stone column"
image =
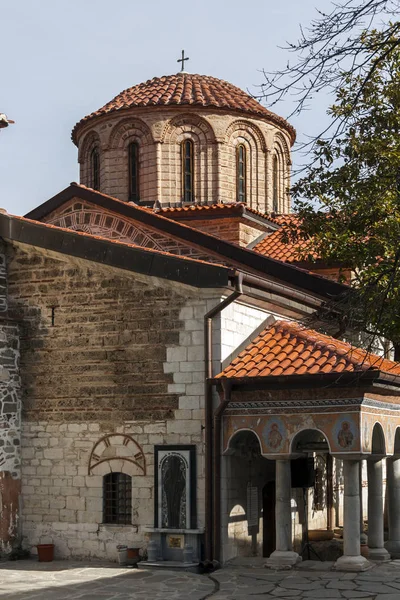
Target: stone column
x,y
393,491
283,557
375,511
351,559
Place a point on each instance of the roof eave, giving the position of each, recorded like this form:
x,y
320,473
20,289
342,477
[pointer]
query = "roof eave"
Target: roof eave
x,y
318,380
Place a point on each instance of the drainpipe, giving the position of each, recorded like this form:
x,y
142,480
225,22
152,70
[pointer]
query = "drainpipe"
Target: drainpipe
x,y
226,387
208,360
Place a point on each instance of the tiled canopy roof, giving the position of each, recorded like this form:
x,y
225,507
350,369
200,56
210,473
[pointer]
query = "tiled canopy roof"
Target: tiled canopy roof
x,y
287,348
188,90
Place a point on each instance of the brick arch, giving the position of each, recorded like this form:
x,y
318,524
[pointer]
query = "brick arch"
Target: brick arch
x,y
280,144
247,128
281,151
90,140
188,123
117,453
130,130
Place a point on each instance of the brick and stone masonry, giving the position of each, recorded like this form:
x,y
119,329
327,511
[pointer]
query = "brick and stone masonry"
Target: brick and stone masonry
x,y
105,355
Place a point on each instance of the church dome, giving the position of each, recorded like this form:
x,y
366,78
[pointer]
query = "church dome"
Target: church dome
x,y
187,89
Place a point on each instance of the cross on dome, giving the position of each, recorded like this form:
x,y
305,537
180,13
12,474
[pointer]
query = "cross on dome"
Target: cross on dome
x,y
182,60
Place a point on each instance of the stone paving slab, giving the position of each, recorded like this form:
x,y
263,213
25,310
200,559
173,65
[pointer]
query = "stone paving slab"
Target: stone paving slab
x,y
72,580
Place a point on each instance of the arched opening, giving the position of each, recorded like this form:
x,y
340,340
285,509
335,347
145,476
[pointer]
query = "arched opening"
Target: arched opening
x,y
187,155
312,488
133,152
95,169
378,445
241,175
275,184
245,473
396,448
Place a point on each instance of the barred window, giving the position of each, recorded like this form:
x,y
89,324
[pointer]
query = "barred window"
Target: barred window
x,y
275,184
241,173
134,172
117,499
187,171
95,169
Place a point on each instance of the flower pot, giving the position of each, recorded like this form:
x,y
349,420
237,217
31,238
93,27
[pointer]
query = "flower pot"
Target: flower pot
x,y
133,556
45,552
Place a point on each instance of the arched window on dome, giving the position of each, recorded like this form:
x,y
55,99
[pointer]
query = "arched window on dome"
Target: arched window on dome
x,y
187,160
241,179
134,172
95,169
275,183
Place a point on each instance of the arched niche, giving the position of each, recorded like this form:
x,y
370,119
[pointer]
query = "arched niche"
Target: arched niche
x,y
247,134
378,444
117,453
280,175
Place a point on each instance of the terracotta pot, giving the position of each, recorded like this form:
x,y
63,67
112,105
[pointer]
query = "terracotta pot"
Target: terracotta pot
x,y
364,550
45,552
320,535
133,552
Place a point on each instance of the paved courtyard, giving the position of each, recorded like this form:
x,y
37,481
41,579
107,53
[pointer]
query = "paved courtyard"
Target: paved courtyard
x,y
62,580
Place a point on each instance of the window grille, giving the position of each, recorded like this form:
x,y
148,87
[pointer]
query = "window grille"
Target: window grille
x,y
275,184
95,169
117,499
134,172
241,173
187,171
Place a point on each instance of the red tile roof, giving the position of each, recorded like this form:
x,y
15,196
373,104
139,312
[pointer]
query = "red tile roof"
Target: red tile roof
x,y
274,246
287,348
209,210
186,89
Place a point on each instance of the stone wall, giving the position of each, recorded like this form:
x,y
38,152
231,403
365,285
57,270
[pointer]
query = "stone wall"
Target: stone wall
x,y
10,422
104,354
159,132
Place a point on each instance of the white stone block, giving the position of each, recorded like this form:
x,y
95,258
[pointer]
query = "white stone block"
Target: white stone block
x,y
184,427
54,453
75,503
189,403
176,354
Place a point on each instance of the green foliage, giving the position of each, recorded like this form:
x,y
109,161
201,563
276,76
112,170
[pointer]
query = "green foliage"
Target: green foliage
x,y
354,181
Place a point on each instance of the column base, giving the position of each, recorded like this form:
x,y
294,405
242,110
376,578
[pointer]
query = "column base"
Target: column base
x,y
378,554
352,563
393,547
281,560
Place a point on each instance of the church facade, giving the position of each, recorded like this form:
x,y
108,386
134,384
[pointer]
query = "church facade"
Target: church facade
x,y
157,383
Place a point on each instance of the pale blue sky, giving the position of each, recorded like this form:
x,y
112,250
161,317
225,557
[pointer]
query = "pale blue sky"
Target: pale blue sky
x,y
62,59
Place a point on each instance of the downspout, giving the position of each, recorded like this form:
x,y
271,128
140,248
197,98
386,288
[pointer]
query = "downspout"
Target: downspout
x,y
208,360
226,387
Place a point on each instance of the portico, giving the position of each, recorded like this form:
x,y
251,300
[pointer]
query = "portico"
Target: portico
x,y
339,406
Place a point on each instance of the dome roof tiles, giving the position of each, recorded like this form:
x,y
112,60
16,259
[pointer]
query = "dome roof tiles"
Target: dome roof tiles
x,y
186,89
